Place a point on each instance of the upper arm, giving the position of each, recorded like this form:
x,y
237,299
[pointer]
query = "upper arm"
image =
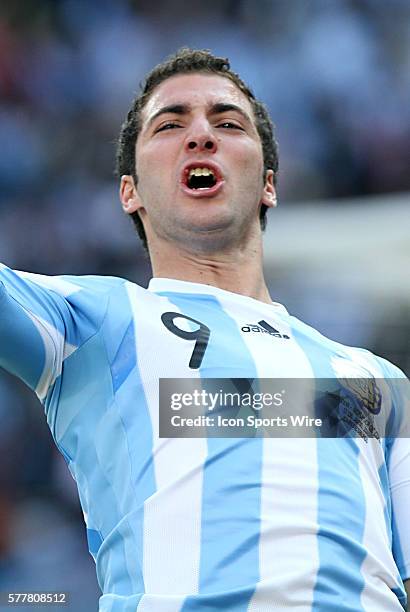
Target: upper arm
x,y
22,351
44,319
32,330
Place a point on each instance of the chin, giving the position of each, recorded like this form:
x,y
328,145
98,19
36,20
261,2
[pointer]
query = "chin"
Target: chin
x,y
213,238
210,217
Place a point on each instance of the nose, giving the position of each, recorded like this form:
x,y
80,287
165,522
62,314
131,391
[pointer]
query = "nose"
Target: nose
x,y
200,145
201,139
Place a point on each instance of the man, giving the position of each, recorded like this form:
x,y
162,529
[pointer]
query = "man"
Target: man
x,y
181,524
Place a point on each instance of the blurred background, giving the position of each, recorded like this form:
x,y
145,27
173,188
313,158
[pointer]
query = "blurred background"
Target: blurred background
x,y
335,75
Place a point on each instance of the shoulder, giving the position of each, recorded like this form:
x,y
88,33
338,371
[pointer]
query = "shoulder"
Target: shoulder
x,y
347,360
65,285
68,285
71,302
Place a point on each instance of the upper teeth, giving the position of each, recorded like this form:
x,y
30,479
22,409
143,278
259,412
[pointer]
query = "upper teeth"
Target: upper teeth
x,y
200,172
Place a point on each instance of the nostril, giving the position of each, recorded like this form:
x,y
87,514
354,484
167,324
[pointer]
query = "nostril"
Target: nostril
x,y
209,144
192,145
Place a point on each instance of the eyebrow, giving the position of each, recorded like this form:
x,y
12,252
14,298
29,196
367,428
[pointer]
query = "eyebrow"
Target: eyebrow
x,y
183,109
223,107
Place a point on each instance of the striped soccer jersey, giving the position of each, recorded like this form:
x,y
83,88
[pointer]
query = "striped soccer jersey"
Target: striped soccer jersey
x,y
205,524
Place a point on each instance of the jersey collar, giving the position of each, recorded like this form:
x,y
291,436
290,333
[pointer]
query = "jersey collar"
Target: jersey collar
x,y
170,285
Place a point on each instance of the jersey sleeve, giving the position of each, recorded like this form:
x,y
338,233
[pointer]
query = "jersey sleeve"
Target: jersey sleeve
x,y
32,334
43,320
398,464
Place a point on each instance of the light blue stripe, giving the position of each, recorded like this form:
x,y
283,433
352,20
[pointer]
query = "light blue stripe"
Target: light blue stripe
x,y
78,316
397,549
341,501
115,603
17,334
85,424
231,502
138,429
130,399
341,515
110,412
125,359
94,540
400,562
132,408
399,388
384,483
400,395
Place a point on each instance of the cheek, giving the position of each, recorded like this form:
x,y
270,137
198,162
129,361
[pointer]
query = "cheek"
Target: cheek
x,y
154,184
251,175
153,167
250,158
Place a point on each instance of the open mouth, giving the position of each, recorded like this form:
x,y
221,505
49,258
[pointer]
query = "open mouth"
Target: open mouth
x,y
201,178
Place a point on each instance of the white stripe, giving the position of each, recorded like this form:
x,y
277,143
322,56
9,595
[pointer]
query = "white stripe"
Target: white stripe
x,y
56,350
288,554
156,603
172,516
378,568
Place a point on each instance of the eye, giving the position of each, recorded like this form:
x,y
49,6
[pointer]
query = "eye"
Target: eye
x,y
170,125
230,126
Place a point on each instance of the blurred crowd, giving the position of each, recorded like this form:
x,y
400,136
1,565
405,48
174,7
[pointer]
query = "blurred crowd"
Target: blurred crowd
x,y
335,75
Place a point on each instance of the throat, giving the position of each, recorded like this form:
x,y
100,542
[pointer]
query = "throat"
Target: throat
x,y
243,278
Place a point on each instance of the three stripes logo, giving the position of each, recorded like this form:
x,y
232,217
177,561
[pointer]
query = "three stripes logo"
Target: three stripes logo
x,y
262,327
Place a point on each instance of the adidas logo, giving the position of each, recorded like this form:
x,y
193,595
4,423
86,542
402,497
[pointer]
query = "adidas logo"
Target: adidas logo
x,y
262,327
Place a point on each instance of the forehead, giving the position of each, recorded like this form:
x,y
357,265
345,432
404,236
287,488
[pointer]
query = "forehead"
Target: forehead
x,y
195,90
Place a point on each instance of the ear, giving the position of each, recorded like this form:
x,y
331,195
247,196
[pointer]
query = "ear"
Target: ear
x,y
129,197
269,191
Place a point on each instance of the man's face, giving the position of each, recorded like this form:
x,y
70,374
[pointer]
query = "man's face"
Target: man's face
x,y
199,164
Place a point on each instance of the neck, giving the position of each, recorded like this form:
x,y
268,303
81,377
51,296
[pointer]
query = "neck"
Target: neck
x,y
237,270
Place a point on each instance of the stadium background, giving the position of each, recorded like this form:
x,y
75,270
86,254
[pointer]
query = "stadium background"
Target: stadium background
x,y
336,77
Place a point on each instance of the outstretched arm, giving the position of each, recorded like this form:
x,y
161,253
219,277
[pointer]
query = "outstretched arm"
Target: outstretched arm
x,y
31,330
21,348
45,319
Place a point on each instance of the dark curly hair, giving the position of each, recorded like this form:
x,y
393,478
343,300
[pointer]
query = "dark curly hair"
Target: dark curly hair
x,y
183,62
